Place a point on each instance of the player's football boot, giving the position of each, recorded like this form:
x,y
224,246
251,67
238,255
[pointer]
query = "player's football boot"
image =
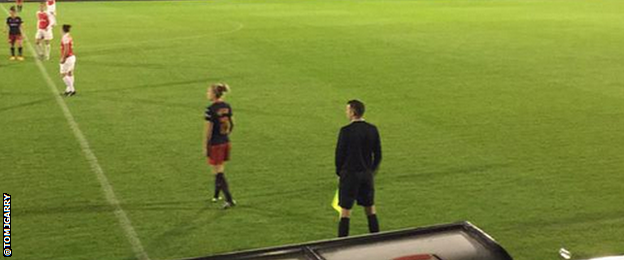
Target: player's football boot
x,y
215,200
73,93
13,58
228,205
20,58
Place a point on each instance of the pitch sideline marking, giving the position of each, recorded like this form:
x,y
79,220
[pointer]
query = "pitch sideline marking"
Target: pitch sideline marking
x,y
121,215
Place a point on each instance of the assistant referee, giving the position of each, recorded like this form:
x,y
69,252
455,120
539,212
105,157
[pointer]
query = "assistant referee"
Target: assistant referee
x,y
358,155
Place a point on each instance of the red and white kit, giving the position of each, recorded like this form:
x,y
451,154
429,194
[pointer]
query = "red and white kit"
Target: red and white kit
x,y
44,26
52,10
51,6
67,49
67,67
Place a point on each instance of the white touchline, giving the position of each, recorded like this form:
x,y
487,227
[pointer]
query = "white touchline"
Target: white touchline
x,y
121,215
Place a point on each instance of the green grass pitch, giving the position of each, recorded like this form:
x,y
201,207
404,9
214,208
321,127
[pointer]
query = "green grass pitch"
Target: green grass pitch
x,y
504,113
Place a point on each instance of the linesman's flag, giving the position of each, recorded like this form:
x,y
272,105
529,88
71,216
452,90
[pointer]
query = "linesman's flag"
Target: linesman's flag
x,y
334,203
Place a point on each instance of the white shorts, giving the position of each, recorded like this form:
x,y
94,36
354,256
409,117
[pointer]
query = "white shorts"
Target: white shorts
x,y
52,17
44,34
69,65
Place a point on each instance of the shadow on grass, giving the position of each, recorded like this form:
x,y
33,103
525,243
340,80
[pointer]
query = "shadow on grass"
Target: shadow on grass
x,y
567,222
23,93
131,65
9,65
185,225
204,81
24,105
90,207
106,51
449,172
281,113
154,102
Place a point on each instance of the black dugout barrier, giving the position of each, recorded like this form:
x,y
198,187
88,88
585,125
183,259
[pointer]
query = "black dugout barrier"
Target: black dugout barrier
x,y
457,241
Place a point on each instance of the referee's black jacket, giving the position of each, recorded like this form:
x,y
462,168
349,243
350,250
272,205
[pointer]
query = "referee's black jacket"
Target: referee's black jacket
x,y
358,149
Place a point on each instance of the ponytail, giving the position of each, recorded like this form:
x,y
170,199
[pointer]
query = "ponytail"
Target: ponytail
x,y
220,89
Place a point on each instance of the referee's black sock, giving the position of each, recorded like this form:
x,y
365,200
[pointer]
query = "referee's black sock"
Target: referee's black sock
x,y
19,50
225,188
217,185
343,227
12,51
373,223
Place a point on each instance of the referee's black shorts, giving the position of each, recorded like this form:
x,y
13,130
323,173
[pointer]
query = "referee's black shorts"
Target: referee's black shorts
x,y
356,186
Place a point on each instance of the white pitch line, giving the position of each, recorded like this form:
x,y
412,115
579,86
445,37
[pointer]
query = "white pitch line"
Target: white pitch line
x,y
121,215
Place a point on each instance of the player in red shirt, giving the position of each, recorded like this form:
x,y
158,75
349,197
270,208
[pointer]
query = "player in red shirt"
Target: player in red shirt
x,y
44,32
68,61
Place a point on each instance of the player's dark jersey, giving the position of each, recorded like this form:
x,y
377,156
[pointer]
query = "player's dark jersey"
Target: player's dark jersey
x,y
220,114
358,149
14,25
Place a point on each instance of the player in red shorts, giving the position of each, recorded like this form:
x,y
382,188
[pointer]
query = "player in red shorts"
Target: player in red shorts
x,y
219,125
14,24
20,5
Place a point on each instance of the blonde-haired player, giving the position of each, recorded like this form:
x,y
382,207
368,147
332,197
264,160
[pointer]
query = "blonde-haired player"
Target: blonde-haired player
x,y
219,125
44,32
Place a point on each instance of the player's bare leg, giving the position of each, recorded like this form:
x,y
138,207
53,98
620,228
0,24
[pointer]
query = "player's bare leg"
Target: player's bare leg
x,y
67,89
68,78
345,213
373,223
46,48
53,17
39,48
